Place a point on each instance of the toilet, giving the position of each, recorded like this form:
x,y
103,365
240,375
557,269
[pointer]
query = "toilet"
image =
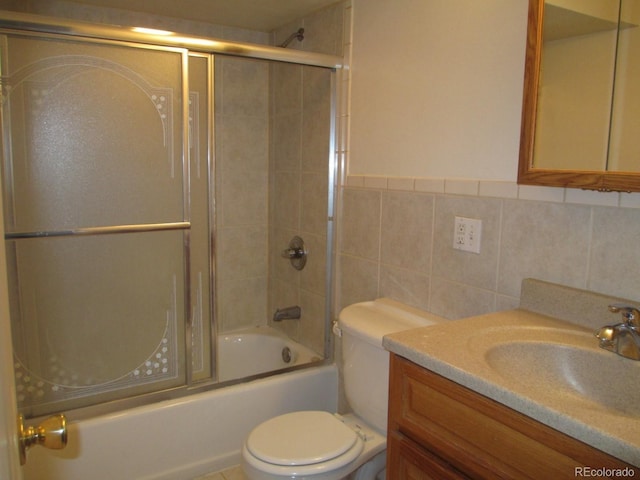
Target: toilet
x,y
320,445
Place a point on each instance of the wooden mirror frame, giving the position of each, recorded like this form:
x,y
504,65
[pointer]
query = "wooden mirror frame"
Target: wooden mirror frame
x,y
528,175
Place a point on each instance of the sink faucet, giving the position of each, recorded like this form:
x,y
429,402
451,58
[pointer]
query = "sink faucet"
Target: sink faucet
x,y
622,338
288,313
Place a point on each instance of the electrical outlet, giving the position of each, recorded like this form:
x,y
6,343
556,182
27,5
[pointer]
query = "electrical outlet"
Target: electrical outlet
x,y
466,234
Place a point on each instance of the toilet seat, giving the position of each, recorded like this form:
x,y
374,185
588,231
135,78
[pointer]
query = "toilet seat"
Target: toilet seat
x,y
302,443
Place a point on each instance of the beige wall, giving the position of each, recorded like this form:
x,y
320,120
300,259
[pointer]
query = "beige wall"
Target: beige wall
x,y
437,87
439,138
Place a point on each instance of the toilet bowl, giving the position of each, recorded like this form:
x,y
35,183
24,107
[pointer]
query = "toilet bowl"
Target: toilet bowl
x,y
317,445
311,444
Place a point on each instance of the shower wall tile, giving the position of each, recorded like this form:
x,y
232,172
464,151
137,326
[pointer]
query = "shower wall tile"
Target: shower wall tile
x,y
313,275
244,138
242,303
244,252
315,154
285,196
286,89
543,240
312,325
324,31
286,148
243,198
242,191
299,172
313,217
614,260
245,84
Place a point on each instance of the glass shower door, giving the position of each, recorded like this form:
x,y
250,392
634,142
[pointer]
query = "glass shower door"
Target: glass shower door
x,y
95,184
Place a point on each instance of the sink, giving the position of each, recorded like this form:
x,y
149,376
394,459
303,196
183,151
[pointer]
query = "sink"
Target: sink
x,y
545,368
585,375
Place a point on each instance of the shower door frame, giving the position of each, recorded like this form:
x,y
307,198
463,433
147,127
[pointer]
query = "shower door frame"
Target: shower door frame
x,y
12,22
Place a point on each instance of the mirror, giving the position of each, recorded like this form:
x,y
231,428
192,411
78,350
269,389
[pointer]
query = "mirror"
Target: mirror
x,y
581,108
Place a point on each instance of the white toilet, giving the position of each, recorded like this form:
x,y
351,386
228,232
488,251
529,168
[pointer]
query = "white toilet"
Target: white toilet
x,y
324,446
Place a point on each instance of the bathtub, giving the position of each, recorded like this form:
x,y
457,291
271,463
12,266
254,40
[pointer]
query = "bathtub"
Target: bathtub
x,y
258,350
183,438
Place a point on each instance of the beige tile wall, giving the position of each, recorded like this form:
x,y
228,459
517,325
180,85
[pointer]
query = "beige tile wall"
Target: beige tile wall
x,y
242,173
398,243
299,174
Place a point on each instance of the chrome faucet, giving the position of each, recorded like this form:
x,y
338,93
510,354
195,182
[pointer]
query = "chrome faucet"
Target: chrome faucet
x,y
288,313
622,338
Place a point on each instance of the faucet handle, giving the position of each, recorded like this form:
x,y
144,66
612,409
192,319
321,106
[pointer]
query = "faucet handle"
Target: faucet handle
x,y
630,313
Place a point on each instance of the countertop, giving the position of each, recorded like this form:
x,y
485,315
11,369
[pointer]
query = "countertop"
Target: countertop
x,y
456,350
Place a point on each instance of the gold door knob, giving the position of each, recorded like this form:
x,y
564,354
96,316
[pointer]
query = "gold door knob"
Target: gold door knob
x,y
52,433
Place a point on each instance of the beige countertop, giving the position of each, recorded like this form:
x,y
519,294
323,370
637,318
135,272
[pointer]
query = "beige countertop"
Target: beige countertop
x,y
541,373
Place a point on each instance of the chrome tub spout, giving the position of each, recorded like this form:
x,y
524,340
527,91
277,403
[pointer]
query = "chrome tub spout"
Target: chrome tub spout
x,y
288,313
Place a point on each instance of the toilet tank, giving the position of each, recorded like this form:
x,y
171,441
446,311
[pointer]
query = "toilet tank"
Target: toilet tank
x,y
365,362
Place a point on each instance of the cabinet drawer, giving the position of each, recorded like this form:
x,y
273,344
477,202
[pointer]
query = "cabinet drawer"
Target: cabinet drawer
x,y
406,460
479,436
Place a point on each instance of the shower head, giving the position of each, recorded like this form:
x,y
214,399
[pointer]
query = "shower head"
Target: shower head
x,y
298,34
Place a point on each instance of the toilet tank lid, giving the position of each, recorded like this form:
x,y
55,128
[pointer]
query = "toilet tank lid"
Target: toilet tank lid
x,y
370,321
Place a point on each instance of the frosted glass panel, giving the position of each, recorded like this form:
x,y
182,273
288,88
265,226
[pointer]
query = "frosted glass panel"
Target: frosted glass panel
x,y
96,314
92,125
201,330
93,137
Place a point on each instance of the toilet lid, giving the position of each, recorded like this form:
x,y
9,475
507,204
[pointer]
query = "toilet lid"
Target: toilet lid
x,y
300,438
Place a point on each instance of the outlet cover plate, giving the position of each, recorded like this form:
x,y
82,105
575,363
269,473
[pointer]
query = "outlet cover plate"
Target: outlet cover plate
x,y
467,233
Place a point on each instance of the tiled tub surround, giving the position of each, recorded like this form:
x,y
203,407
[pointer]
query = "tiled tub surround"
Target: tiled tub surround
x,y
548,313
396,239
299,174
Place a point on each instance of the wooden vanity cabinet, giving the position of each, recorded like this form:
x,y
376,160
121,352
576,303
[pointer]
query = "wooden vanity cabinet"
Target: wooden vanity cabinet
x,y
441,430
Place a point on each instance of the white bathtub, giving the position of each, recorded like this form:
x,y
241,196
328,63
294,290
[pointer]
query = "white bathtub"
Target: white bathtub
x,y
186,437
257,350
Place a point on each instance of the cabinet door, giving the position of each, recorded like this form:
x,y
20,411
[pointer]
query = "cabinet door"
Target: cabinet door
x,y
478,436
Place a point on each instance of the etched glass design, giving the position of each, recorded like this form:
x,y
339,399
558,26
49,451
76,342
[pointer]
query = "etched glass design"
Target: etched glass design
x,y
93,138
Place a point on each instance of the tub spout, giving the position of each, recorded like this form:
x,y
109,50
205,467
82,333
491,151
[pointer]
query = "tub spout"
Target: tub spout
x,y
288,313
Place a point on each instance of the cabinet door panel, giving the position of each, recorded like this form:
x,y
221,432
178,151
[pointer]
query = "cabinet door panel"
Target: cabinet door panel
x,y
407,461
479,436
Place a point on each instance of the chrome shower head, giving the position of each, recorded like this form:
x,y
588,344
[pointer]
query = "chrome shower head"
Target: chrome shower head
x,y
298,34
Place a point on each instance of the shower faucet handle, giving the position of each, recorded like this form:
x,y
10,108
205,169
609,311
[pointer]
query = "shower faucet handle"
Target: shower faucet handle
x,y
293,253
296,253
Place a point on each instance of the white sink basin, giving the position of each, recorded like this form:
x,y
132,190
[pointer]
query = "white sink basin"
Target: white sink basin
x,y
588,374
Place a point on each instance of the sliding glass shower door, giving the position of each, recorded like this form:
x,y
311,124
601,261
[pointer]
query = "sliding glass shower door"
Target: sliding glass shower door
x,y
106,208
115,223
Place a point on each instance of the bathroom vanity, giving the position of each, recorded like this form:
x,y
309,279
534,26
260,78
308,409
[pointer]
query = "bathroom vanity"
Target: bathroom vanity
x,y
514,394
439,429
